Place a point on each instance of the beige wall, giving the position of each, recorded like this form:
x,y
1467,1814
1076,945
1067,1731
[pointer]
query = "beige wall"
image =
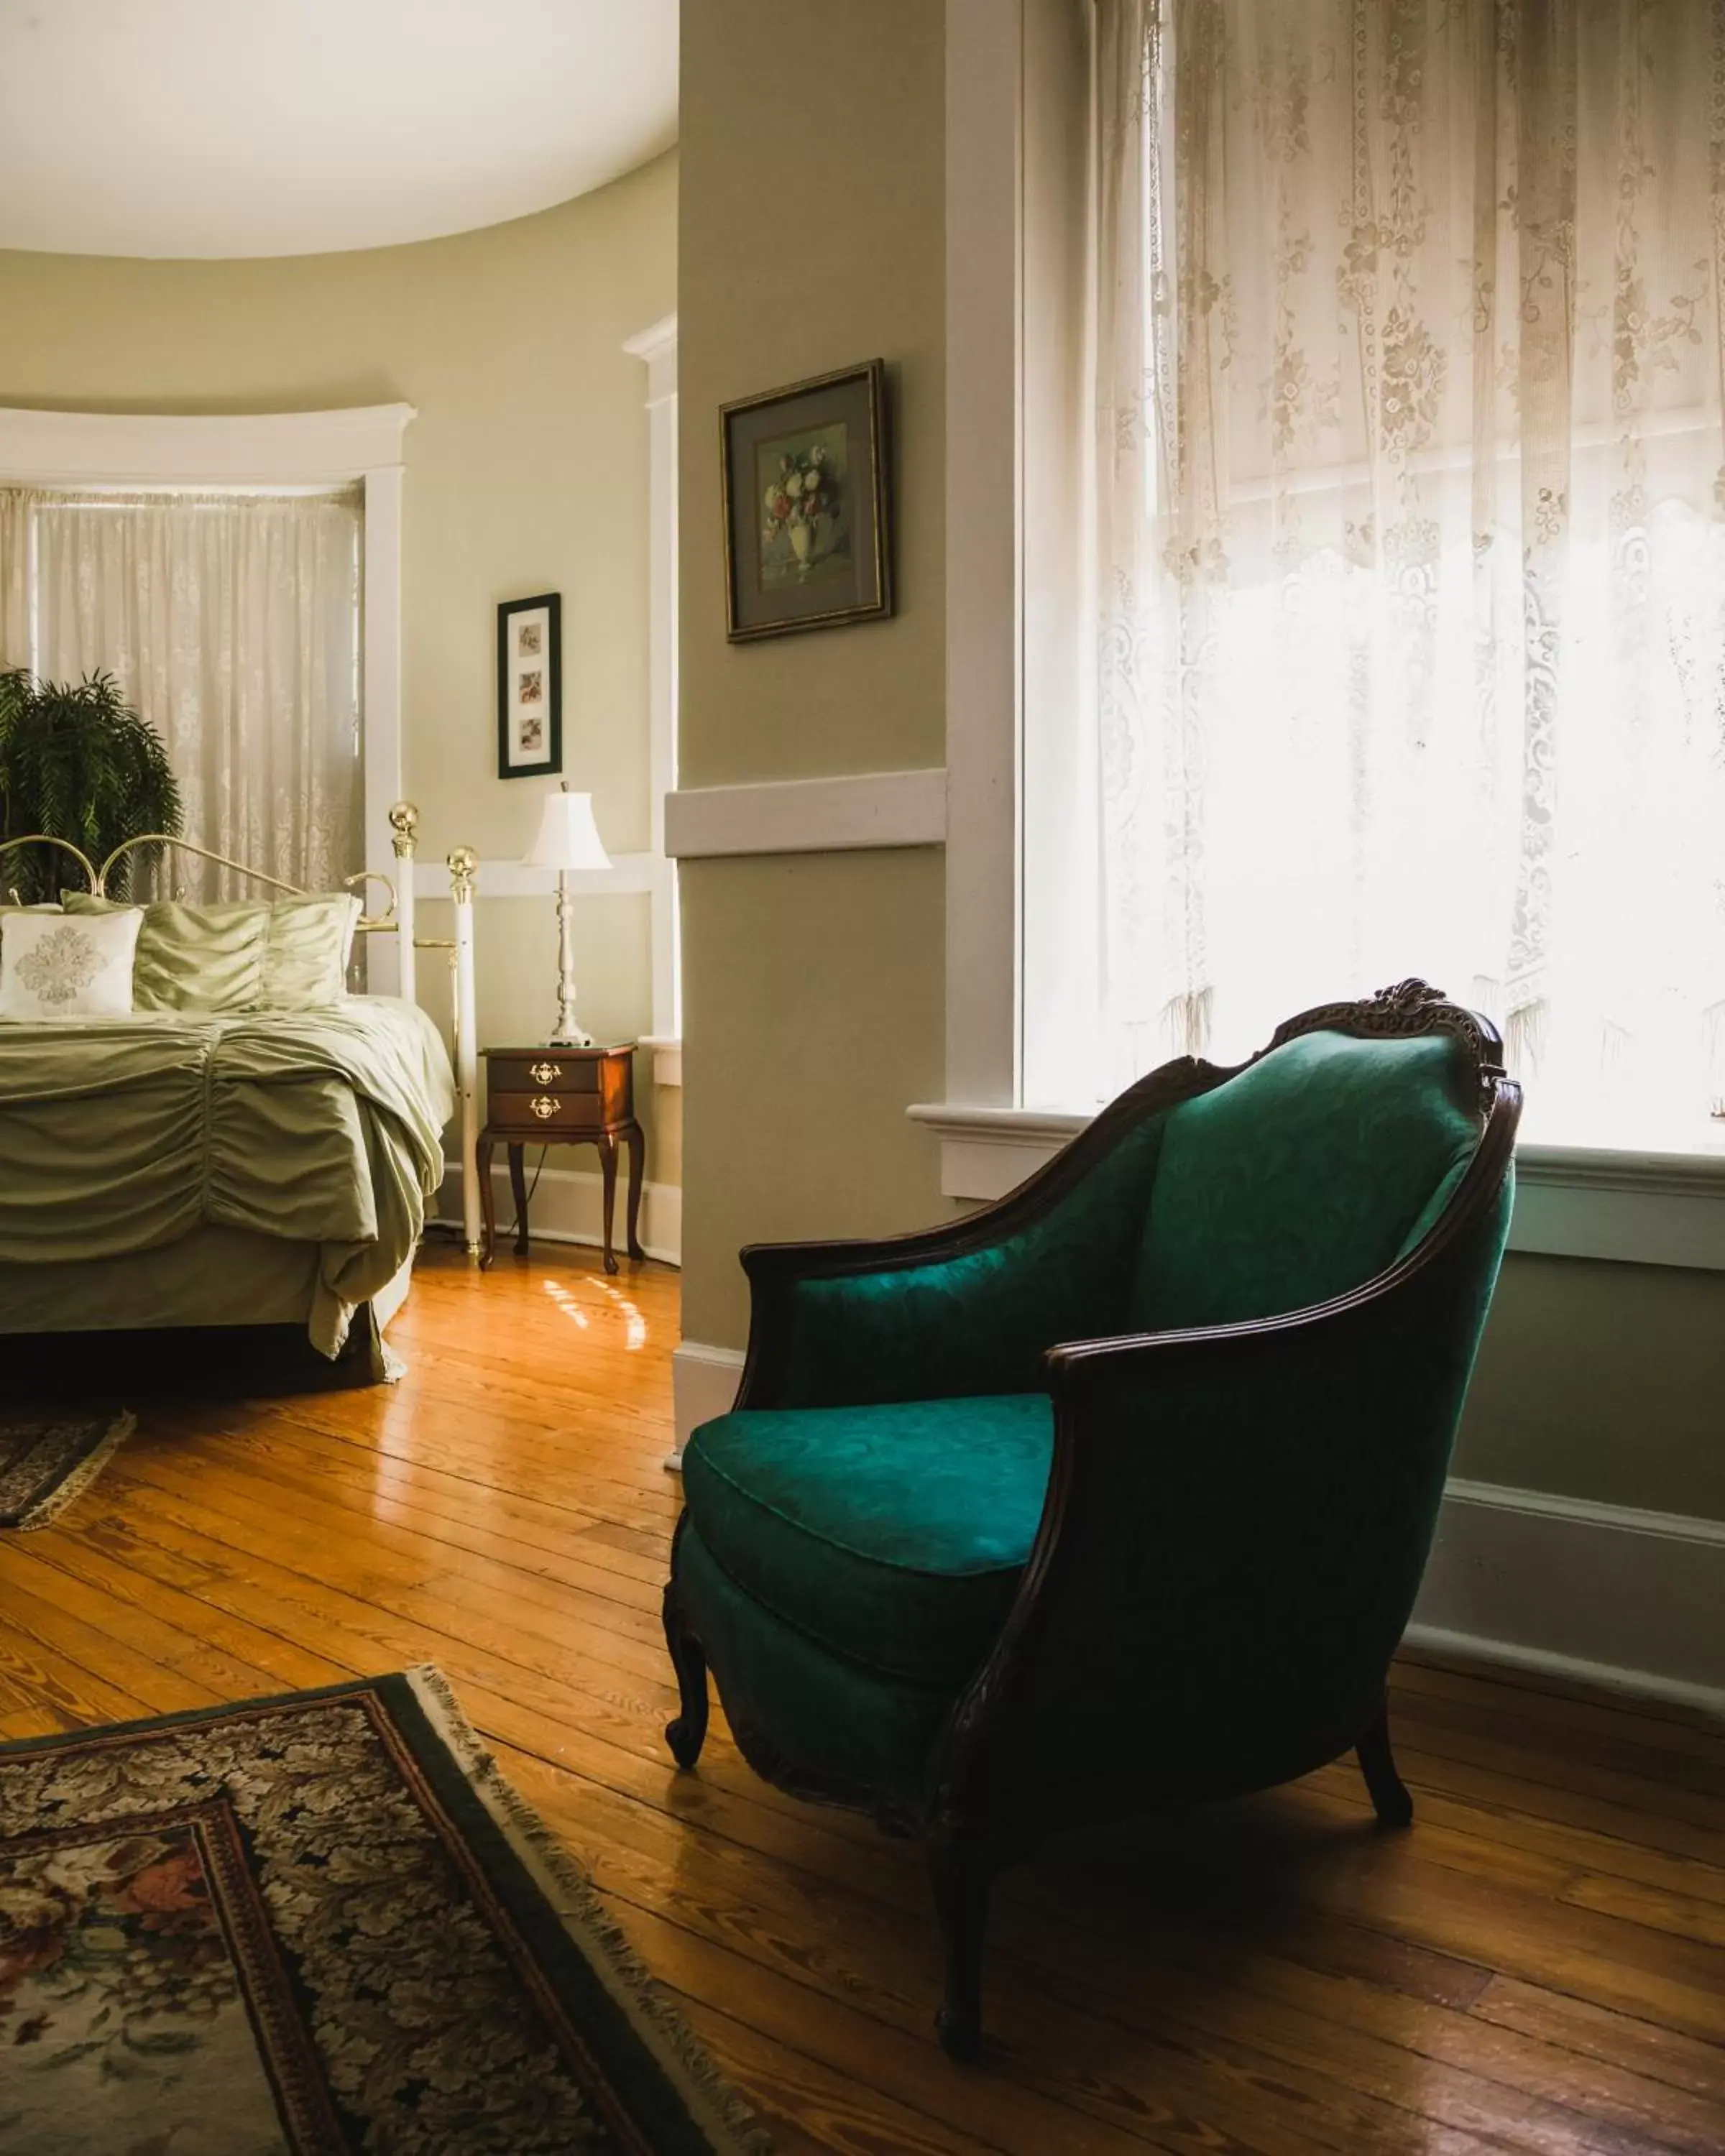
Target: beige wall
x,y
812,985
526,472
813,1013
1604,1382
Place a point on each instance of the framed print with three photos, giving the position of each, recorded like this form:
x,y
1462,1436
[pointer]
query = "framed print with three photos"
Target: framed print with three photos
x,y
808,543
530,687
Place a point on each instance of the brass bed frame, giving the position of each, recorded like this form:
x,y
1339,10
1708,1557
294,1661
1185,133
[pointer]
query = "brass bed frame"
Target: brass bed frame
x,y
397,921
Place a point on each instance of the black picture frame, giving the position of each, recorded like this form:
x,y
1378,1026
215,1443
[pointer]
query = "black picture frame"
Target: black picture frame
x,y
525,750
785,571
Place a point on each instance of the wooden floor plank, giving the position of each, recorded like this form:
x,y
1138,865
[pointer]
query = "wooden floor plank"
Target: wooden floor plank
x,y
1538,1967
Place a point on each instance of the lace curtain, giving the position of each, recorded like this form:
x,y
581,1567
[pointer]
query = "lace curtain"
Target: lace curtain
x,y
1412,565
231,623
14,578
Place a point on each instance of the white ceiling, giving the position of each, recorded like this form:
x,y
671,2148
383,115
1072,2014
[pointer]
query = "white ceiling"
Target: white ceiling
x,y
245,127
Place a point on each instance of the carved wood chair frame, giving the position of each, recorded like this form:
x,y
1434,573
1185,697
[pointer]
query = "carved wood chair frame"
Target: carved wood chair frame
x,y
970,1826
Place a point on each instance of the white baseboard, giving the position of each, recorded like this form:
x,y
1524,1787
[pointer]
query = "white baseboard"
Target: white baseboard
x,y
568,1207
703,1385
1605,1594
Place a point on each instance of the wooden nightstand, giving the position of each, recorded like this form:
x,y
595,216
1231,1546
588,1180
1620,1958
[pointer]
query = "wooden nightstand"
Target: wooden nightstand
x,y
560,1097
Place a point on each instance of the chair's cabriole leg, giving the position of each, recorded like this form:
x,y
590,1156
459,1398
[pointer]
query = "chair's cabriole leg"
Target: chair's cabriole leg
x,y
687,1734
961,1865
1389,1796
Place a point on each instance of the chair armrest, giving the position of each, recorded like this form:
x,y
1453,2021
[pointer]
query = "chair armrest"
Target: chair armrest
x,y
856,1324
1235,1528
971,1305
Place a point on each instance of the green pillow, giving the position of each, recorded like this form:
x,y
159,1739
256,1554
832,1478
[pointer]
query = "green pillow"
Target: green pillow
x,y
192,957
306,956
239,955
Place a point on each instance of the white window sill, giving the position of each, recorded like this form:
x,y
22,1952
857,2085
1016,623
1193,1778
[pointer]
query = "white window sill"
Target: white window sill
x,y
1652,1208
666,1051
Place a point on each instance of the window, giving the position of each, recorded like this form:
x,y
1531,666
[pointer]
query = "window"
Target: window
x,y
232,620
1403,497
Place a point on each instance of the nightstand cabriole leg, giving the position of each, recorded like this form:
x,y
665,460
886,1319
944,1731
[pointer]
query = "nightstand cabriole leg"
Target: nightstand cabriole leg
x,y
637,1138
607,1169
488,1204
518,1190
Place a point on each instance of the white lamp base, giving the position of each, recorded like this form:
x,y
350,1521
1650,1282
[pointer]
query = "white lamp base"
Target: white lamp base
x,y
568,1032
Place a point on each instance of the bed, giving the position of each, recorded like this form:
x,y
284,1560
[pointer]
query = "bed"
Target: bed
x,y
186,1167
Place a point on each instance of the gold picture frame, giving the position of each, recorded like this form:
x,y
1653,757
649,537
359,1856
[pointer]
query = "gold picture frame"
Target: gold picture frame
x,y
806,493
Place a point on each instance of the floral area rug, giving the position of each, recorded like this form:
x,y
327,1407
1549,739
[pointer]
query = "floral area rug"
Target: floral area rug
x,y
318,1924
45,1462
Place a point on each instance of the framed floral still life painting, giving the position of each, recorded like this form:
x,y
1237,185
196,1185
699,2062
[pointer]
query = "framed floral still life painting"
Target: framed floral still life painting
x,y
530,687
806,537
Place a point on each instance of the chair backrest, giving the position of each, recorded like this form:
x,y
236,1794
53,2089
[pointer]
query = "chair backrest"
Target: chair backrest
x,y
1301,1177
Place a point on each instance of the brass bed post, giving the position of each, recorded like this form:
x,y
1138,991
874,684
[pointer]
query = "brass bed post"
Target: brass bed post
x,y
404,835
464,867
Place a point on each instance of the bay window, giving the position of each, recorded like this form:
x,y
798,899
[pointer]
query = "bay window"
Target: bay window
x,y
1373,538
232,620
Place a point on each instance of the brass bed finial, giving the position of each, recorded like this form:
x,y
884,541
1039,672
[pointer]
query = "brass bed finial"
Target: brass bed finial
x,y
404,829
464,867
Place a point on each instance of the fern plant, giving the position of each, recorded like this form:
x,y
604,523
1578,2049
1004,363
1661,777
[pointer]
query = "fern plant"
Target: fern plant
x,y
78,763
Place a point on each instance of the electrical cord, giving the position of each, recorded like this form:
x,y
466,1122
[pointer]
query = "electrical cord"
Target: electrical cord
x,y
537,1166
453,1227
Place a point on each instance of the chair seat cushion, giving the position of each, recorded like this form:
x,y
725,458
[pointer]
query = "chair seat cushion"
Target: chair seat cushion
x,y
894,1535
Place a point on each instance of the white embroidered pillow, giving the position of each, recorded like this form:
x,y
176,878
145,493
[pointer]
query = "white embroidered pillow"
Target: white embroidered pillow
x,y
57,965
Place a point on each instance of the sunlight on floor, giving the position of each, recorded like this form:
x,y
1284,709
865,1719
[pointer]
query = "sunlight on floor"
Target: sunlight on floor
x,y
564,1302
634,1328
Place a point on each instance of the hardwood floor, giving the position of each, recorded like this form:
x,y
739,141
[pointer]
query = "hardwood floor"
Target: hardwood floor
x,y
1539,1965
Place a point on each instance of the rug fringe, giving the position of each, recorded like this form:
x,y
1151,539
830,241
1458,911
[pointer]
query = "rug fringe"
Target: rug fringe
x,y
44,1513
579,1899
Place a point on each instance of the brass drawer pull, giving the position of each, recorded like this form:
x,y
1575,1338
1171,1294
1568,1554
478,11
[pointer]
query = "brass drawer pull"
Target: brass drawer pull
x,y
545,1074
545,1106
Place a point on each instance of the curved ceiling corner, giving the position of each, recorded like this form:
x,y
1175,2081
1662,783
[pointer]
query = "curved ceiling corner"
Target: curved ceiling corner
x,y
198,128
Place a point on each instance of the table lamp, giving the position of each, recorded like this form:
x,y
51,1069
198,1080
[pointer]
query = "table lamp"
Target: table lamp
x,y
568,841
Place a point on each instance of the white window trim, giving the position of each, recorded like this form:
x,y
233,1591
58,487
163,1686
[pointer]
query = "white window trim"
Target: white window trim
x,y
656,347
1572,1202
362,443
1639,1207
983,553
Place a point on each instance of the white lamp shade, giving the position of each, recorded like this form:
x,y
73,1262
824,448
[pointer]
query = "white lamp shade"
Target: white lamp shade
x,y
568,837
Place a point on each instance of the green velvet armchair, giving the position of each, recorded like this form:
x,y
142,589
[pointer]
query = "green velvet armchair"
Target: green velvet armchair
x,y
1116,1494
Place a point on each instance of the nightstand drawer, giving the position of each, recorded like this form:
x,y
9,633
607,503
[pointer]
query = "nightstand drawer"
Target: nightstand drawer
x,y
546,1111
544,1071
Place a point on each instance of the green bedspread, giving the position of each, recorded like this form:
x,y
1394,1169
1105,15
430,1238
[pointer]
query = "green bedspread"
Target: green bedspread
x,y
122,1136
